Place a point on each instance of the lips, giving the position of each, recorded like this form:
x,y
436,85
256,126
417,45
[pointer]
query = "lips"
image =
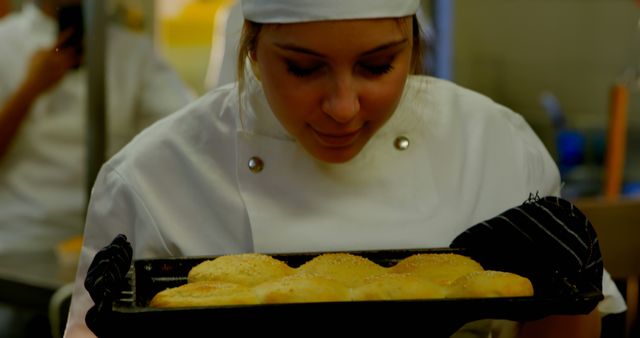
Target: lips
x,y
337,139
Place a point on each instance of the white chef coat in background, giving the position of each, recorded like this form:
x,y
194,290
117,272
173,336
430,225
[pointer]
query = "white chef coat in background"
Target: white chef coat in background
x,y
42,176
185,187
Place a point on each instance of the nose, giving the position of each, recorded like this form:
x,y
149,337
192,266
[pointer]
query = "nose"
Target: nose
x,y
341,101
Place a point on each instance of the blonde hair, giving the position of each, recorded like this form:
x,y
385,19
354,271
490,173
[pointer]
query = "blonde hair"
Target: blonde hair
x,y
251,32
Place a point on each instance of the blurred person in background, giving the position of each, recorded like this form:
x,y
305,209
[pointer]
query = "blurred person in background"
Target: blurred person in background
x,y
43,99
43,119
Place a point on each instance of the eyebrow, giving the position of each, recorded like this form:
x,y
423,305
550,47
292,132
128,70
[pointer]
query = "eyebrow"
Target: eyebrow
x,y
299,49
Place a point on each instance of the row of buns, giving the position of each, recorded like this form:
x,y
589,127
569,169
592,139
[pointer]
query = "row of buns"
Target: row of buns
x,y
254,278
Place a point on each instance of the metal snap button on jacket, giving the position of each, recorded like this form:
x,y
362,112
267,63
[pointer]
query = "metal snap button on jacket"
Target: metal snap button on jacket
x,y
256,164
401,143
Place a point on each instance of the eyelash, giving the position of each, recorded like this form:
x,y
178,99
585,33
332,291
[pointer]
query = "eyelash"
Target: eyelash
x,y
379,70
371,70
301,71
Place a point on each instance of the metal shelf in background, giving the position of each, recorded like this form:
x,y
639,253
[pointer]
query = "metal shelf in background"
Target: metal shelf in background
x,y
95,23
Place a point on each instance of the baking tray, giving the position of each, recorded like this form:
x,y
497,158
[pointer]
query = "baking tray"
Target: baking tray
x,y
436,318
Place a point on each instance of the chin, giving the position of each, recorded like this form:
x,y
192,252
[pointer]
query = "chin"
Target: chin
x,y
337,155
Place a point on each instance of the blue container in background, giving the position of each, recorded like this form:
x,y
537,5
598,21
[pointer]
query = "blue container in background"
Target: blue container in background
x,y
571,146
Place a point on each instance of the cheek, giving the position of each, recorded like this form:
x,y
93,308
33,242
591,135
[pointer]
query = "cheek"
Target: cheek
x,y
382,98
290,101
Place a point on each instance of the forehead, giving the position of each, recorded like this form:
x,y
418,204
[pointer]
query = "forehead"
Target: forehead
x,y
338,33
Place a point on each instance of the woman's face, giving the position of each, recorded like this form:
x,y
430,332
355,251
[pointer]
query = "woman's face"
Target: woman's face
x,y
333,84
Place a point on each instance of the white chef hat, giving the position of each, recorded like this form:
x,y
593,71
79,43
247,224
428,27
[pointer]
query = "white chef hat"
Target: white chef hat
x,y
291,11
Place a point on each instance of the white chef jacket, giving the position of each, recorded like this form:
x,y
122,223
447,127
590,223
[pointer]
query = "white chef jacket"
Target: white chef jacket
x,y
42,177
185,187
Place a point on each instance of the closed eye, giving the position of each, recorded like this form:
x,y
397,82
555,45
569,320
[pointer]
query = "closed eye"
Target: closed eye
x,y
377,70
301,71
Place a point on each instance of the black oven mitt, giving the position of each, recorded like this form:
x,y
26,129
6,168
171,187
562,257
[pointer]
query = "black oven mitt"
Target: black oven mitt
x,y
105,279
547,240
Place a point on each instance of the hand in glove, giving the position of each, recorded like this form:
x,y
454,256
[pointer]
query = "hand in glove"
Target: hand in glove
x,y
105,279
545,239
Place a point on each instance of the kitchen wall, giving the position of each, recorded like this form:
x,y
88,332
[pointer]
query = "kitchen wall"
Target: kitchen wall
x,y
514,50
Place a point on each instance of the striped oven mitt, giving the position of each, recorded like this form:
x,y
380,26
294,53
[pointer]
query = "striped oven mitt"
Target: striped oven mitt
x,y
547,240
105,279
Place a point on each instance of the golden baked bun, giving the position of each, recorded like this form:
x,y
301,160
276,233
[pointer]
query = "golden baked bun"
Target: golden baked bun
x,y
247,269
301,288
204,294
396,286
440,268
346,268
490,283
